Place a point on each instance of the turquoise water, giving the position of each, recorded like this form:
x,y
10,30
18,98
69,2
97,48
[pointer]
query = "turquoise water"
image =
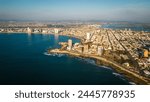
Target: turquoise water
x,y
23,61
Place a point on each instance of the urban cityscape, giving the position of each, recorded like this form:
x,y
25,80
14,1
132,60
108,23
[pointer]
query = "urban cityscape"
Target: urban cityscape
x,y
126,50
46,41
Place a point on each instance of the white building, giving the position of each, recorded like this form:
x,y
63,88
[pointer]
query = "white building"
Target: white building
x,y
100,50
88,36
29,31
69,45
56,31
44,31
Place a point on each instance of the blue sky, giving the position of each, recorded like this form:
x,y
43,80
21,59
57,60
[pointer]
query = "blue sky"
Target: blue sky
x,y
114,10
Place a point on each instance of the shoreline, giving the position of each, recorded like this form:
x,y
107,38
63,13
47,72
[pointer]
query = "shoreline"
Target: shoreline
x,y
73,36
131,76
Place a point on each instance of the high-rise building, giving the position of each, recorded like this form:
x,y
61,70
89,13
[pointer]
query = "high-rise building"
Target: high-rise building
x,y
88,36
100,50
44,31
56,31
69,44
86,48
29,31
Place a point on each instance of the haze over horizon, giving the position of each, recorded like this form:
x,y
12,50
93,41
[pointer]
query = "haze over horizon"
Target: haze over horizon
x,y
112,10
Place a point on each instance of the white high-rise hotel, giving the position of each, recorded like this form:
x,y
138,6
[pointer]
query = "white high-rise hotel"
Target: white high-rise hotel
x,y
29,31
69,44
88,36
56,31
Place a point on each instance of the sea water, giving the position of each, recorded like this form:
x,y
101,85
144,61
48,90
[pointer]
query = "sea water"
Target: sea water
x,y
24,61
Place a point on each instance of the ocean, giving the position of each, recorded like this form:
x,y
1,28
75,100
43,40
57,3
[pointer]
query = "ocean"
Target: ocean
x,y
24,61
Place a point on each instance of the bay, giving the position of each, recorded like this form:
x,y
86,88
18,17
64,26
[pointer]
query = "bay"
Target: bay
x,y
23,61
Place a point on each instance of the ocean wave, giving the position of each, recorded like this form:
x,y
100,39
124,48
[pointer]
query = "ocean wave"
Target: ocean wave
x,y
132,83
87,60
92,61
54,54
105,67
119,75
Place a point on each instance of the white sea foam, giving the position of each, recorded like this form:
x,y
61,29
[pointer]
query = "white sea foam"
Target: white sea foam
x,y
53,54
91,61
87,60
132,83
47,54
105,67
117,74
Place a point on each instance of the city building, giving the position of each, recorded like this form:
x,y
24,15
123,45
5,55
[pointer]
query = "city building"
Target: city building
x,y
88,36
56,31
145,53
80,49
100,50
29,31
44,31
69,45
86,48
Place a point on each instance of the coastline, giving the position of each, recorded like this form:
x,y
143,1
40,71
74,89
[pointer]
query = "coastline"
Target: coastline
x,y
20,32
73,36
131,76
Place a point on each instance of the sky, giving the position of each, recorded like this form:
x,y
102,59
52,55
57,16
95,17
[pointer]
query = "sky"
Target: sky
x,y
111,10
